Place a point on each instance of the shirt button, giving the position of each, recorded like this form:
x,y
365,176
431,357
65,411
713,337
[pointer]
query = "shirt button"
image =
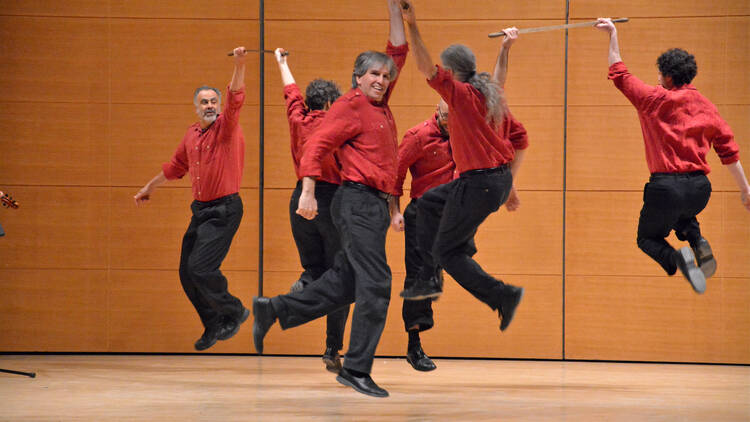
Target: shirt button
x,y
197,162
198,178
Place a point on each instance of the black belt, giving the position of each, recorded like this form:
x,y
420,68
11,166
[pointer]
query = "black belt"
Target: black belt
x,y
692,173
219,201
360,186
499,169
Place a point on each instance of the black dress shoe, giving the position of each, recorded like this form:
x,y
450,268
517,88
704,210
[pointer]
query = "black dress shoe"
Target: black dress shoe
x,y
264,318
208,339
423,289
686,263
511,298
705,257
364,385
332,359
418,360
232,326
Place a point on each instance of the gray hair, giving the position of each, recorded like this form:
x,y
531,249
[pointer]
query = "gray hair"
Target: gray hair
x,y
460,59
369,59
205,88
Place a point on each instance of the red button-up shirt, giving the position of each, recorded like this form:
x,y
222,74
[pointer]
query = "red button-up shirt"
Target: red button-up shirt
x,y
475,143
426,153
302,122
214,156
364,133
679,125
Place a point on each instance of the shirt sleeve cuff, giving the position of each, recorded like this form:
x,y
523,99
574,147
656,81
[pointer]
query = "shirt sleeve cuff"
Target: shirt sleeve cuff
x,y
171,172
730,159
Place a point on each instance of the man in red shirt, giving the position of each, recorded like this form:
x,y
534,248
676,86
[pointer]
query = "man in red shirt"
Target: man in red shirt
x,y
361,129
213,152
425,152
486,161
679,126
317,240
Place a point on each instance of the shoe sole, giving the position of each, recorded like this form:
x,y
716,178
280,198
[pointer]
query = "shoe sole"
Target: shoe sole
x,y
243,318
705,256
433,296
346,382
204,348
693,274
508,318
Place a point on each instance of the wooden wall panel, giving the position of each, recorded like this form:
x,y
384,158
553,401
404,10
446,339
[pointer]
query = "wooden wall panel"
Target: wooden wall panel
x,y
525,85
137,155
149,312
536,331
191,9
150,236
605,149
738,38
601,231
87,8
56,228
54,59
646,9
173,57
428,10
54,144
656,319
641,42
52,310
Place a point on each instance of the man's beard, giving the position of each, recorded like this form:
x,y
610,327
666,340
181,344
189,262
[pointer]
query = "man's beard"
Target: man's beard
x,y
209,117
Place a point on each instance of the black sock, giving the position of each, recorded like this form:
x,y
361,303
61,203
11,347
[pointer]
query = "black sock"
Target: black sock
x,y
413,340
357,373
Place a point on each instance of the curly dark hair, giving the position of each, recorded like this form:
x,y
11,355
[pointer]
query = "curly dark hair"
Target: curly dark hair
x,y
679,65
321,92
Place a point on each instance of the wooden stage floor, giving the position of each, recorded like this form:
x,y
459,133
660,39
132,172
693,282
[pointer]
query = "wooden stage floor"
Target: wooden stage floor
x,y
253,388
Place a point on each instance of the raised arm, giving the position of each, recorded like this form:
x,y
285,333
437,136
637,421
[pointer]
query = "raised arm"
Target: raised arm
x,y
286,74
397,34
500,73
421,55
238,77
606,25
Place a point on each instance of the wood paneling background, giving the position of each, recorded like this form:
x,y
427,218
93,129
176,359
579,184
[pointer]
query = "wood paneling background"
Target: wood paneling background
x,y
98,95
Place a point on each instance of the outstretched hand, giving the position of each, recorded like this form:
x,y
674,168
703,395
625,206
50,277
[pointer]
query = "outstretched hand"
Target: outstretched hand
x,y
605,24
239,54
407,11
745,196
280,56
511,35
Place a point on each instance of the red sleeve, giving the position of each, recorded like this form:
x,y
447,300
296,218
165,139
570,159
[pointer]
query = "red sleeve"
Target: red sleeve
x,y
231,114
295,104
178,165
723,141
447,87
517,133
342,123
398,54
633,88
408,153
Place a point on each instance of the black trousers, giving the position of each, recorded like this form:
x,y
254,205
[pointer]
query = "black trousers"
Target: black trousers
x,y
414,312
448,219
360,275
204,247
318,242
671,201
